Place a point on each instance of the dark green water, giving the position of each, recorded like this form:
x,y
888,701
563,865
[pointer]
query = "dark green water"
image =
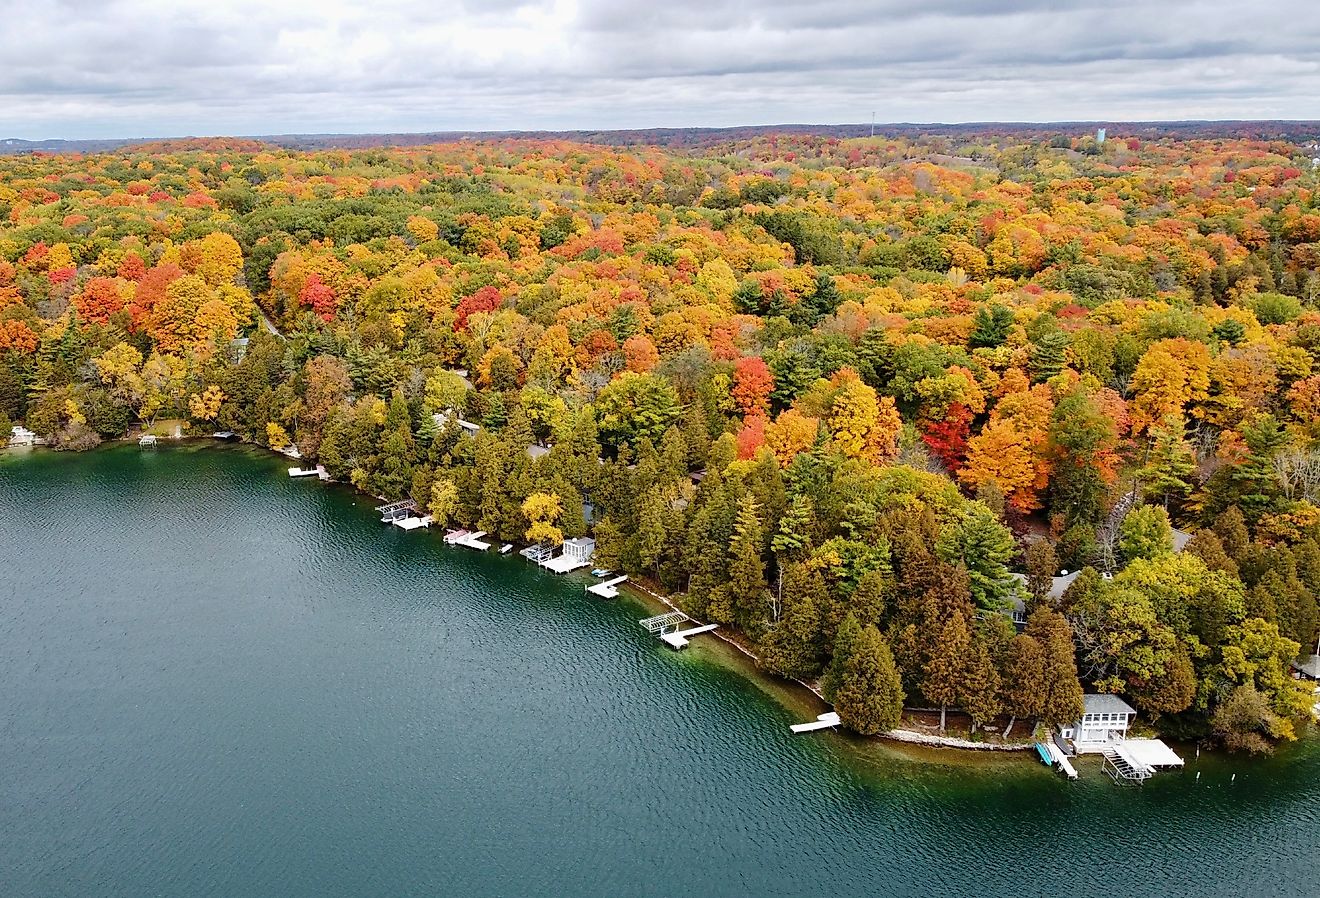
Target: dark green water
x,y
215,680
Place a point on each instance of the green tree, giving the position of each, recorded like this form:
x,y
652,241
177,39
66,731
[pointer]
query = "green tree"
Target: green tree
x,y
1167,474
793,646
1024,672
1042,567
867,693
1246,722
945,674
1061,699
981,688
984,546
1145,533
748,597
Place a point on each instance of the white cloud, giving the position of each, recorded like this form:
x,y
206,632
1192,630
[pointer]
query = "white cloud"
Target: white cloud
x,y
112,68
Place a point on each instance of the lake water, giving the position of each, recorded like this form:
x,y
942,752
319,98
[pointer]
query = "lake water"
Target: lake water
x,y
216,680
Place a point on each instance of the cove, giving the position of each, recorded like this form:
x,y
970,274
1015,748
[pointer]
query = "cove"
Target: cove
x,y
215,680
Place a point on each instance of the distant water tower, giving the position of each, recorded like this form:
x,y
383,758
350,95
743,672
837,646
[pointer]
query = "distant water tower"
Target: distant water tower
x,y
1100,135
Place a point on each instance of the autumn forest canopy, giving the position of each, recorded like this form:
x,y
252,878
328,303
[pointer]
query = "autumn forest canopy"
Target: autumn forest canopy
x,y
859,399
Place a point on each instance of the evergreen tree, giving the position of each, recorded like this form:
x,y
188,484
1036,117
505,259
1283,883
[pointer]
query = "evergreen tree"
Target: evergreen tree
x,y
946,671
981,687
984,546
1167,474
1042,566
1048,355
1024,673
1231,528
748,599
868,694
1060,691
793,647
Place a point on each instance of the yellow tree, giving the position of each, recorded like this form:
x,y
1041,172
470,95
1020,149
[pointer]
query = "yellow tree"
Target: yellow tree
x,y
790,434
864,426
276,436
205,406
1005,455
119,368
164,377
1171,374
215,258
542,511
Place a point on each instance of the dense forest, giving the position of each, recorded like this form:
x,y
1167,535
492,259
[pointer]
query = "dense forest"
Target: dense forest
x,y
860,399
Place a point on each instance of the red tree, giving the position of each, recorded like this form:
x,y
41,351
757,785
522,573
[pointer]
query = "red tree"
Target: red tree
x,y
99,299
752,383
947,438
319,297
487,299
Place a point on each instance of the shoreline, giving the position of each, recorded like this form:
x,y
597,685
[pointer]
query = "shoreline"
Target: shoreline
x,y
952,747
646,595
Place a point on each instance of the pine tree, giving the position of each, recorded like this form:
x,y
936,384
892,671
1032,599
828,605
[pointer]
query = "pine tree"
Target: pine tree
x,y
792,647
1061,691
946,670
984,546
746,579
1024,672
868,694
1048,355
981,688
1168,470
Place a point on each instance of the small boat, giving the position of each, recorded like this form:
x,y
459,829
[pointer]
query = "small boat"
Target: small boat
x,y
506,548
1045,755
601,572
225,435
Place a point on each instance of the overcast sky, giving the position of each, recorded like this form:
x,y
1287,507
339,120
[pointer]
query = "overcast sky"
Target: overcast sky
x,y
128,68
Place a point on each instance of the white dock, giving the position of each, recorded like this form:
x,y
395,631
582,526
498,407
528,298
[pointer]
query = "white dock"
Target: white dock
x,y
1061,760
678,639
824,722
412,523
607,590
303,472
470,541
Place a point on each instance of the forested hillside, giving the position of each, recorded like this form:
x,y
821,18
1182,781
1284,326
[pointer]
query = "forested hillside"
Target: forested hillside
x,y
832,392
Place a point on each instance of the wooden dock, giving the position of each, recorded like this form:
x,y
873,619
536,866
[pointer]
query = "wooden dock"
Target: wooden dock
x,y
303,472
607,590
828,720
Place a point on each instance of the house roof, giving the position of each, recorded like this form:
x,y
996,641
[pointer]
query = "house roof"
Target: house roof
x,y
1098,703
1309,667
1180,539
1059,585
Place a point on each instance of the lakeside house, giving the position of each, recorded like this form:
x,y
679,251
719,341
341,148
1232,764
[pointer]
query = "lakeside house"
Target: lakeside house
x,y
1308,667
1105,720
574,554
21,436
442,418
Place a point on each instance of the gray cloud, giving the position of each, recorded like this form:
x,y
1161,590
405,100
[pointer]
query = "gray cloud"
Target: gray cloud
x,y
103,68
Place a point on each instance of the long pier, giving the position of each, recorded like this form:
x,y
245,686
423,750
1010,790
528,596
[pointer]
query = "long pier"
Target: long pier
x,y
678,639
828,720
607,590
